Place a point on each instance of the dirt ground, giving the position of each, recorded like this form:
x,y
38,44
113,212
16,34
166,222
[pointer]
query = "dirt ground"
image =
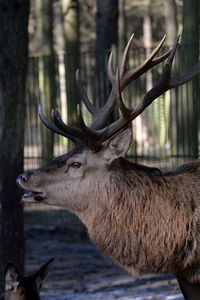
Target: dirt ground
x,y
80,271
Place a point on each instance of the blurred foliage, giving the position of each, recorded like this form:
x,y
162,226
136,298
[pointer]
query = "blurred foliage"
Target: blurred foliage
x,y
133,13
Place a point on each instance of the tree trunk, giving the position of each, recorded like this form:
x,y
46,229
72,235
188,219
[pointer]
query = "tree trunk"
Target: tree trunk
x,y
71,23
189,93
122,28
106,25
47,82
13,70
106,40
147,38
171,24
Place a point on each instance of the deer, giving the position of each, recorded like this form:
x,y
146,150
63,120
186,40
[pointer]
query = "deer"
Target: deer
x,y
144,219
24,288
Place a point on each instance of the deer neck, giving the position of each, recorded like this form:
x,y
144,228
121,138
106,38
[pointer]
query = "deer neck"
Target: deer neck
x,y
125,226
111,218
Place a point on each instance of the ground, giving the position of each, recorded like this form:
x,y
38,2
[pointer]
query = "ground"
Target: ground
x,y
80,271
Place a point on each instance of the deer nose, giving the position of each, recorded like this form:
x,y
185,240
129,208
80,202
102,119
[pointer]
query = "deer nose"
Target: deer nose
x,y
23,177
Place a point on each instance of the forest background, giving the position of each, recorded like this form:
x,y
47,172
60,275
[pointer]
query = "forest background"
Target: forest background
x,y
68,34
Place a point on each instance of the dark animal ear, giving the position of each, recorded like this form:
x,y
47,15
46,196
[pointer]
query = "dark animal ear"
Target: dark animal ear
x,y
42,273
12,277
118,145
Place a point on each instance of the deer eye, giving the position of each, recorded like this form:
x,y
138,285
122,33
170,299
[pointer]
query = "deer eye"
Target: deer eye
x,y
75,165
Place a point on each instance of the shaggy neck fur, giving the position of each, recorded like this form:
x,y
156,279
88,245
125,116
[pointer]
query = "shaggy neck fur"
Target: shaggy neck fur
x,y
147,221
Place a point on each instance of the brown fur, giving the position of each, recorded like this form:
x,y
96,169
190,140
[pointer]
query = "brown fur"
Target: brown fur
x,y
143,219
150,222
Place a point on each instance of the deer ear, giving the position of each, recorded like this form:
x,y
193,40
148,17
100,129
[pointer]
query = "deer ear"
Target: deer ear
x,y
12,277
118,145
42,273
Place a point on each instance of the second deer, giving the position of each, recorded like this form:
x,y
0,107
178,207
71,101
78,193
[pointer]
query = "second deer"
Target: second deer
x,y
24,288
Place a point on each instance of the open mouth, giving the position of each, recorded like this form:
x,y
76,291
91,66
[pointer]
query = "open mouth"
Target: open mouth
x,y
37,196
29,195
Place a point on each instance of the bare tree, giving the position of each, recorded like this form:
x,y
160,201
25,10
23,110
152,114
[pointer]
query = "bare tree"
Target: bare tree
x,y
171,27
188,130
171,24
122,29
147,39
106,39
47,85
106,24
71,23
13,62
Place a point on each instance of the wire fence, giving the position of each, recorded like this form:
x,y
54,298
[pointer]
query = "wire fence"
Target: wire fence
x,y
166,134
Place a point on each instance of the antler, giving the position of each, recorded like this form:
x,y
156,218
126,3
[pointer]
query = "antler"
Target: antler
x,y
94,135
100,115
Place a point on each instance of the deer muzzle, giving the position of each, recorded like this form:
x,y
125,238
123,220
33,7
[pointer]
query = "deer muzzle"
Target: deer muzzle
x,y
22,181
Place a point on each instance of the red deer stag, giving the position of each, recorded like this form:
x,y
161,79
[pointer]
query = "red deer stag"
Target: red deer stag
x,y
25,288
143,219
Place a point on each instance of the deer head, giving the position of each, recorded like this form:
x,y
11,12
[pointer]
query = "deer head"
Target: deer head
x,y
80,178
24,288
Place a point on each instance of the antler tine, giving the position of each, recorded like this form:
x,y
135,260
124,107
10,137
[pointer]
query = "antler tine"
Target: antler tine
x,y
89,133
99,117
111,76
103,113
124,110
149,63
95,135
179,80
155,51
84,95
168,66
73,131
124,56
165,83
162,86
54,128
